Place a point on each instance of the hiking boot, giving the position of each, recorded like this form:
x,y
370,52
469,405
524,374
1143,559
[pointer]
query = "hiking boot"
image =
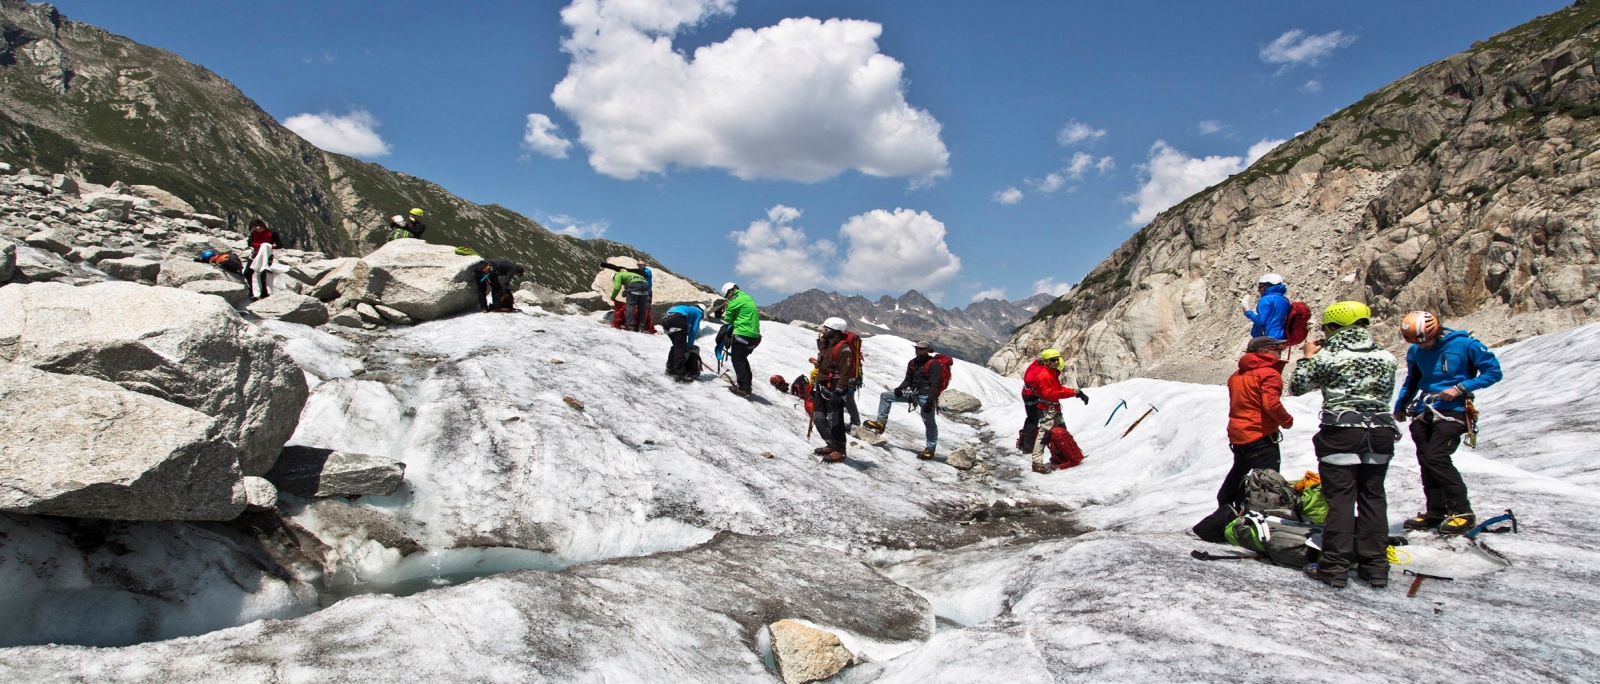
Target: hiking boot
x,y
833,457
1424,521
1457,523
1335,581
1042,469
1375,580
739,392
823,451
926,455
875,426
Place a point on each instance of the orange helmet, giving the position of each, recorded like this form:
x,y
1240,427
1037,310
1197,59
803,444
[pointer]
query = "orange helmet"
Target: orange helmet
x,y
1419,327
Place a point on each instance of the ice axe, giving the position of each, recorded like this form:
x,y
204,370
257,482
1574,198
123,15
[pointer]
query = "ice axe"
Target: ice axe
x,y
1202,555
1137,422
1416,584
1114,412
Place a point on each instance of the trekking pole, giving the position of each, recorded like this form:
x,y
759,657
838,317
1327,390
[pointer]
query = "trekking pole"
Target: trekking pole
x,y
1416,584
1205,556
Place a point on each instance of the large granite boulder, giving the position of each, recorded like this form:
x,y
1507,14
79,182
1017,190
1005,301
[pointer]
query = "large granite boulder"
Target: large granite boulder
x,y
138,269
421,280
177,272
185,347
313,472
290,308
806,654
956,401
231,291
83,447
667,290
8,260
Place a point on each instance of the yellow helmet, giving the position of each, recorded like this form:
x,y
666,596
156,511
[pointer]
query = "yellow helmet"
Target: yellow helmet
x,y
1051,357
1345,313
417,213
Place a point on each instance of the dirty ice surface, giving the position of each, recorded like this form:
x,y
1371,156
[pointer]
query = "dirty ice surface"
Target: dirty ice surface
x,y
497,457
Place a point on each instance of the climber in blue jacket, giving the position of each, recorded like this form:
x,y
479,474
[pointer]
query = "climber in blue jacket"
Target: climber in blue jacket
x,y
1272,309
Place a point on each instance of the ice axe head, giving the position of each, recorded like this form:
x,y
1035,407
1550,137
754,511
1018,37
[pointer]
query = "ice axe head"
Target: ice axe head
x,y
1153,408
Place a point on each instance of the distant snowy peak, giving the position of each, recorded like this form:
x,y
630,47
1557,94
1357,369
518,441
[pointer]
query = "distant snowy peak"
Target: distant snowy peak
x,y
972,333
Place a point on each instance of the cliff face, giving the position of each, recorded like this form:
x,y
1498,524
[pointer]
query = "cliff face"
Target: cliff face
x,y
1470,187
78,100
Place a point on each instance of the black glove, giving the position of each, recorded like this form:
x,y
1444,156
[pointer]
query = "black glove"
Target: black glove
x,y
929,406
899,392
1083,397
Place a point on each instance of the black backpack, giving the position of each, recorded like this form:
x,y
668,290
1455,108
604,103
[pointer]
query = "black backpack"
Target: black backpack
x,y
691,363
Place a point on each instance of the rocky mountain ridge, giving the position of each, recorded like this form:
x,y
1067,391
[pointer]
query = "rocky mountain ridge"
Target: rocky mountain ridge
x,y
97,107
972,333
1470,188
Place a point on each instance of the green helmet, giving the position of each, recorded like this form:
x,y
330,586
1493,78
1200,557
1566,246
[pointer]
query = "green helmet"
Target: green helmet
x,y
417,213
1345,313
1048,354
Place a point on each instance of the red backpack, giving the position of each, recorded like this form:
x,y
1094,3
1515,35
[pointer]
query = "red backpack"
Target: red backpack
x,y
945,365
1295,324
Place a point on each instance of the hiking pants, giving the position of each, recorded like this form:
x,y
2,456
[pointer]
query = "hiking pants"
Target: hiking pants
x,y
677,328
829,403
930,426
256,274
492,285
850,402
1353,462
1049,417
1030,424
1436,441
637,312
739,348
1262,453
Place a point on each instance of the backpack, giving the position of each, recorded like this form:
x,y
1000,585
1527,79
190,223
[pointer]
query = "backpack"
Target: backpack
x,y
1296,323
1313,505
946,364
691,363
1265,491
1283,542
1064,451
227,262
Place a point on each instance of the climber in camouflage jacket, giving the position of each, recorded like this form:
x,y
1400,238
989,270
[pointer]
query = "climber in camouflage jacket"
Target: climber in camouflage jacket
x,y
1353,372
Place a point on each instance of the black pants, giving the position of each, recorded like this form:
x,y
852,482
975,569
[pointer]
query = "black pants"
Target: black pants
x,y
739,348
1436,441
850,404
495,285
1356,532
1262,453
679,351
636,308
1030,425
831,425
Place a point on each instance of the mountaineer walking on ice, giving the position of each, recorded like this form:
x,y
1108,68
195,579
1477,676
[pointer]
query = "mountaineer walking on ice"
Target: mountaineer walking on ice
x,y
1444,368
1353,445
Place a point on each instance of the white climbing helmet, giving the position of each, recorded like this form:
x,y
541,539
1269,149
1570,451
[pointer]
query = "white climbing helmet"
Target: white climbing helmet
x,y
835,323
727,287
1270,279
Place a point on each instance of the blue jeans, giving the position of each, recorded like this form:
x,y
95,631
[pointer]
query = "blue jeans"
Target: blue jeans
x,y
918,400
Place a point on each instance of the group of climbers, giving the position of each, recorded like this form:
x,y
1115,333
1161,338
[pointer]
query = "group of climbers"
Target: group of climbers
x,y
632,289
1357,425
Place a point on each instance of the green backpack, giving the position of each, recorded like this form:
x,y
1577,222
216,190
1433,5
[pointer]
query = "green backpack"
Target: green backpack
x,y
1283,542
1313,505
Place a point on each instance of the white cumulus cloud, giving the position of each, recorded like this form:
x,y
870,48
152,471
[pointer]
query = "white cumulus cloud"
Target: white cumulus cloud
x,y
567,225
1051,287
1312,86
1007,196
991,293
1296,47
882,251
1172,176
543,136
1076,132
801,100
354,134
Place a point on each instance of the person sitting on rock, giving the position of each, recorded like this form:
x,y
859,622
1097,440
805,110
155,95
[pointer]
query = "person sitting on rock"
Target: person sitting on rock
x,y
409,226
226,261
836,368
1272,308
682,325
927,374
493,276
262,242
1042,382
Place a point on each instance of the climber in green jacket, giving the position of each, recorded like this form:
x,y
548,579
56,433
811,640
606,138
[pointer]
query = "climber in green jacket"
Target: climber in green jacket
x,y
636,293
745,323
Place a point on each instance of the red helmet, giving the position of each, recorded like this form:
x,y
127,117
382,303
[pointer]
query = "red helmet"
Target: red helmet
x,y
1419,327
777,380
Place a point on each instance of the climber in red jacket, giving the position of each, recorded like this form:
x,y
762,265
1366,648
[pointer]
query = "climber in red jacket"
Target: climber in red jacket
x,y
1042,389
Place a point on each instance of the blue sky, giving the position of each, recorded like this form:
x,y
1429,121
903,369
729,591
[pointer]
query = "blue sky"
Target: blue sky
x,y
960,148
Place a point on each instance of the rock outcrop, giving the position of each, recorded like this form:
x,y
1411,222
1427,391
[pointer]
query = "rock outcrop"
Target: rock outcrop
x,y
180,346
81,447
312,472
421,280
971,334
806,654
1469,188
290,308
